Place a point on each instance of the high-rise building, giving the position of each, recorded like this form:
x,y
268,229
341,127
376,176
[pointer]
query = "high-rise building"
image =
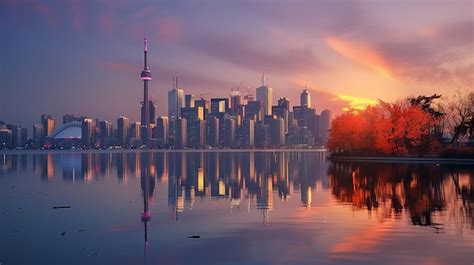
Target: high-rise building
x,y
303,115
277,131
106,133
19,136
265,95
181,133
325,125
204,104
123,130
282,112
200,134
88,132
219,105
145,75
248,133
189,101
47,121
162,131
176,102
261,134
6,139
193,118
38,136
284,103
135,131
235,100
213,131
253,109
305,99
316,129
230,133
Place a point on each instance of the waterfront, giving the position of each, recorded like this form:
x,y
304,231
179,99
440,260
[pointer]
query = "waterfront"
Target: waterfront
x,y
246,208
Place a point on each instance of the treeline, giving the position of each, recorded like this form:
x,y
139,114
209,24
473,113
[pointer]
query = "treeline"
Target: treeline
x,y
416,126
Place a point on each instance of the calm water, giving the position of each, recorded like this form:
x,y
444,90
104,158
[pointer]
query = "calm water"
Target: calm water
x,y
247,208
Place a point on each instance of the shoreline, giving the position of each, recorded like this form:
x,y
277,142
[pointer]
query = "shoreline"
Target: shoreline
x,y
99,151
395,159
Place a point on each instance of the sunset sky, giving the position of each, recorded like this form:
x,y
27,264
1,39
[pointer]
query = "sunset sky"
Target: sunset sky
x,y
84,57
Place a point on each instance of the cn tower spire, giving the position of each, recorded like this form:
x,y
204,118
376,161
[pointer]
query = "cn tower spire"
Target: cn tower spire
x,y
145,50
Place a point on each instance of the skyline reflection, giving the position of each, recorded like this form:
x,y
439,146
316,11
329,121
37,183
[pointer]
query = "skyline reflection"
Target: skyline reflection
x,y
418,190
148,203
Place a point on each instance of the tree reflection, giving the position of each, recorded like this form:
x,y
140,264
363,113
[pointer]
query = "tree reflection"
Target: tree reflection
x,y
421,190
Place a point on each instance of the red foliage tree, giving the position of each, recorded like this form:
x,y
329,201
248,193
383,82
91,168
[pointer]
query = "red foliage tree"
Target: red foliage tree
x,y
386,129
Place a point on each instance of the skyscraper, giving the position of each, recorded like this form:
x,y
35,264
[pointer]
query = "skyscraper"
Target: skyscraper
x,y
213,131
277,131
48,124
38,135
5,138
219,105
146,77
189,101
285,103
248,133
235,99
253,110
305,99
325,125
265,95
123,129
88,132
176,101
181,133
106,130
162,131
204,104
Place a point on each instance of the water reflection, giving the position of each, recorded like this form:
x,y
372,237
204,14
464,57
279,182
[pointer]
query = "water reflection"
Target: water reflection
x,y
419,190
254,180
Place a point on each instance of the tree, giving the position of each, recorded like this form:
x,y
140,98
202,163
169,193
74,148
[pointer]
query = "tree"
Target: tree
x,y
460,115
388,128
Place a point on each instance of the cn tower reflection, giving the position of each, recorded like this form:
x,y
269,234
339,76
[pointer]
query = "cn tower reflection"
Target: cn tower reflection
x,y
147,177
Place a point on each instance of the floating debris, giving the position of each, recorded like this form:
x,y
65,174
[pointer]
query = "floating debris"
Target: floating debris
x,y
63,233
61,207
194,236
95,254
81,230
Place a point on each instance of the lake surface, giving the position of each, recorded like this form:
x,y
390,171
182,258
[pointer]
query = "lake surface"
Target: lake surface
x,y
238,208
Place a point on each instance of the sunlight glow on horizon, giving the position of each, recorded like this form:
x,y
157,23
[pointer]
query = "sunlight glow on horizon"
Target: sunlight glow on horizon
x,y
356,103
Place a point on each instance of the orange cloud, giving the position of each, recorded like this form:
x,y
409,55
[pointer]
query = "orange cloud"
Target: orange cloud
x,y
360,53
357,103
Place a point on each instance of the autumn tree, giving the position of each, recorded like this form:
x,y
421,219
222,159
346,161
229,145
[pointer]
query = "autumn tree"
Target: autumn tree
x,y
388,129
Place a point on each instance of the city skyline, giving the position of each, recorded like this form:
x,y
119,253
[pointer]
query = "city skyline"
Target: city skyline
x,y
193,122
92,58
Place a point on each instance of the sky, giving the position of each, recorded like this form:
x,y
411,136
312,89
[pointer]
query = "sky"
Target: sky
x,y
85,56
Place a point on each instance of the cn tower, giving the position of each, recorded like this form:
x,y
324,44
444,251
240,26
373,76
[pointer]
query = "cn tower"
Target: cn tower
x,y
146,77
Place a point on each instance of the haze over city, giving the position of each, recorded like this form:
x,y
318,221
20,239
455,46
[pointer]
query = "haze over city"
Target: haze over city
x,y
83,57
